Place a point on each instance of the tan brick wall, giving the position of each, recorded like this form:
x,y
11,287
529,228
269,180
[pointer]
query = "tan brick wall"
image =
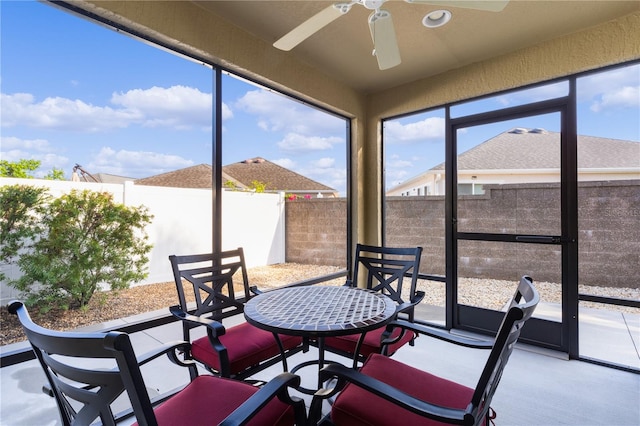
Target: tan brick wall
x,y
609,231
316,231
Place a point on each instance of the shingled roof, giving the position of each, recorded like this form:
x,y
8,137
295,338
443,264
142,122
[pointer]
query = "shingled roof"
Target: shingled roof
x,y
540,149
199,176
276,178
522,153
242,174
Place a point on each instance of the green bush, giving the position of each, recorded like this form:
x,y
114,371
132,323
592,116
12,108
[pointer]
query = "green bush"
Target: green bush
x,y
84,239
22,206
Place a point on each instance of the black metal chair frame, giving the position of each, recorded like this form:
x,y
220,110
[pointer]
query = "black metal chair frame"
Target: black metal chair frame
x,y
479,407
387,268
213,279
84,395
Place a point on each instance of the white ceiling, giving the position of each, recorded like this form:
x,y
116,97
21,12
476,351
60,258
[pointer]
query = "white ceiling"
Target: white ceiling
x,y
343,48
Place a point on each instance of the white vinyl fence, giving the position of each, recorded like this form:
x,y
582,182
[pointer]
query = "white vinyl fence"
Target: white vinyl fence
x,y
182,223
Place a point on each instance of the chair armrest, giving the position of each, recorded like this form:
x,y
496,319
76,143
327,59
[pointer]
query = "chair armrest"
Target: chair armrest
x,y
255,290
166,348
278,386
348,375
406,306
438,334
214,327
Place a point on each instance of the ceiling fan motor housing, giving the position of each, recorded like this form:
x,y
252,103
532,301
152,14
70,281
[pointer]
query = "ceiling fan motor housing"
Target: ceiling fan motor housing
x,y
373,4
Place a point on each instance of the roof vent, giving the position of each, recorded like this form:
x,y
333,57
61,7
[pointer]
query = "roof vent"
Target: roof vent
x,y
518,130
254,160
538,130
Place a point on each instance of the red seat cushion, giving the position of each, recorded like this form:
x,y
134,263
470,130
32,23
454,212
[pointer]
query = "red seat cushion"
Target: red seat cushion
x,y
355,406
246,346
371,342
208,400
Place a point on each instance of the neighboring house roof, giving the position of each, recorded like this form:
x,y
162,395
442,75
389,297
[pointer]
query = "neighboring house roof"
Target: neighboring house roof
x,y
540,149
275,177
107,178
242,174
199,176
522,151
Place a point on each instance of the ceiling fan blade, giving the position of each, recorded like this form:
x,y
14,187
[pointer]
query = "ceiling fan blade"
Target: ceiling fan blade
x,y
488,5
385,44
311,25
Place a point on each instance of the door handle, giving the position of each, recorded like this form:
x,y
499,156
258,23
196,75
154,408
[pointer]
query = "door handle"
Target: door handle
x,y
540,239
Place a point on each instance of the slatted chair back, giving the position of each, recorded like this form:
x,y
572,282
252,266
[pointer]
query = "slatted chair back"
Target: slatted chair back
x,y
521,308
211,277
405,394
85,394
388,269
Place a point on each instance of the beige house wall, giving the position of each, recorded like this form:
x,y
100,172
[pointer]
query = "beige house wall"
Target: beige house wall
x,y
436,180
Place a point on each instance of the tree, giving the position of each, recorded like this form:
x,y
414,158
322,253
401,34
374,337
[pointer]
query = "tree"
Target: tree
x,y
55,174
230,185
86,239
258,186
22,205
25,168
18,169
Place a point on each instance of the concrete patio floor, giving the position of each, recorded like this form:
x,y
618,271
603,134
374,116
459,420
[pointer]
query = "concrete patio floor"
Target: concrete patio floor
x,y
538,387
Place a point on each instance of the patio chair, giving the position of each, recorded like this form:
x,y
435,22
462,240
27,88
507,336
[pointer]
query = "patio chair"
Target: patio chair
x,y
386,391
89,372
238,351
386,269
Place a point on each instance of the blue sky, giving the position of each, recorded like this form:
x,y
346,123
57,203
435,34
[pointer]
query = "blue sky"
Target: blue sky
x,y
608,107
76,92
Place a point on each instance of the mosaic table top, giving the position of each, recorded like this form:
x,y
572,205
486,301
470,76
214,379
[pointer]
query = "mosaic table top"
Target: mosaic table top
x,y
319,310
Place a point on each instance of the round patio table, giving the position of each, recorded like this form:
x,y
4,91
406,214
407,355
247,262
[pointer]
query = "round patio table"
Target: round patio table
x,y
318,312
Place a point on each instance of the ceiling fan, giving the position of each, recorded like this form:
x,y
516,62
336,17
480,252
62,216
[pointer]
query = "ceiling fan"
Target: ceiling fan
x,y
385,44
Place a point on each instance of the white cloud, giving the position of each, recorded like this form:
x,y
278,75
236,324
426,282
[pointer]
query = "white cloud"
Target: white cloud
x,y
429,128
595,85
399,164
547,91
15,155
295,142
15,149
177,107
277,113
326,172
9,142
324,163
21,109
323,170
397,176
287,163
135,163
624,97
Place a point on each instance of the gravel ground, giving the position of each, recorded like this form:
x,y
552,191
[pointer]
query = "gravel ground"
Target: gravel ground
x,y
105,306
494,293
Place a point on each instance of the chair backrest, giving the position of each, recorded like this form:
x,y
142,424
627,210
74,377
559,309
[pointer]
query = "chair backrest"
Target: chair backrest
x,y
88,371
211,277
386,269
520,309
